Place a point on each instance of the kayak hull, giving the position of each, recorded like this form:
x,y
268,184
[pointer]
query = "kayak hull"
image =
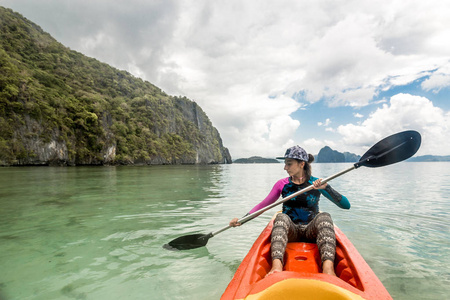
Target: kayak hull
x,y
302,277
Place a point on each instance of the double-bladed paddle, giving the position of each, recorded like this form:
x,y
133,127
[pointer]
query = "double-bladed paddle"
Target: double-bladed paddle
x,y
390,150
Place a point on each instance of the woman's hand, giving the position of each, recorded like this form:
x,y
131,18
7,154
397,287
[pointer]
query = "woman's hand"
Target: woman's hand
x,y
234,222
318,184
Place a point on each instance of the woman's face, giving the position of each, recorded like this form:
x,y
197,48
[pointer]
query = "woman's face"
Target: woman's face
x,y
294,167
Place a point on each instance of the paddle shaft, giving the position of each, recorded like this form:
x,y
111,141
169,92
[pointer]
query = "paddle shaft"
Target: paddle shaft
x,y
262,210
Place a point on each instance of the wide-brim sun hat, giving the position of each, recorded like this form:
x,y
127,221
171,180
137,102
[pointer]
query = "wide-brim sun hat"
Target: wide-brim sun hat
x,y
295,152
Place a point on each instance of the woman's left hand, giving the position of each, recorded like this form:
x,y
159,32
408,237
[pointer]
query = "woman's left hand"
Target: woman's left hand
x,y
318,185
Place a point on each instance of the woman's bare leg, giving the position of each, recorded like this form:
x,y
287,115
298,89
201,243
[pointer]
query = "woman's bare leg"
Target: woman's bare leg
x,y
328,267
277,266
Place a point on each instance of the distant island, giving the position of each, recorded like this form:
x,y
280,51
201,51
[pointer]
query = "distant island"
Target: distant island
x,y
328,155
256,160
429,158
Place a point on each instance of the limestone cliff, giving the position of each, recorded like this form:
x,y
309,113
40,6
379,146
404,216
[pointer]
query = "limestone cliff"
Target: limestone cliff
x,y
60,107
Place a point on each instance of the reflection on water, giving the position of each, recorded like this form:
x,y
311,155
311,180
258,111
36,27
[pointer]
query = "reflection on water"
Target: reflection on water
x,y
97,233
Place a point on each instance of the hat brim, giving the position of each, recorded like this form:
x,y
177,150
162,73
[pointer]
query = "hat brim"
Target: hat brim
x,y
290,158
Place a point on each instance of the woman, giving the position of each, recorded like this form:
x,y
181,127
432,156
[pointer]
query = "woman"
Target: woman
x,y
300,218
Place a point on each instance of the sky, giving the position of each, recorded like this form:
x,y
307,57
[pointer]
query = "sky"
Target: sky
x,y
273,74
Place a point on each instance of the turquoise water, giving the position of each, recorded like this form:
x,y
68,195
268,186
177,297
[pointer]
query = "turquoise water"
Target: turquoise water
x,y
97,232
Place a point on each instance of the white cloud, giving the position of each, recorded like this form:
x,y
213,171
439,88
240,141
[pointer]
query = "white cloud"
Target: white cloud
x,y
358,115
404,112
357,56
438,79
326,123
313,145
233,52
263,128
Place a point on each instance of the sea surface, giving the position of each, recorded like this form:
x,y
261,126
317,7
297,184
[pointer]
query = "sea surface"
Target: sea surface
x,y
98,232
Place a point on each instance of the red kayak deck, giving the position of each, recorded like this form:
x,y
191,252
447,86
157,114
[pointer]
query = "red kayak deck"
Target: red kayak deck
x,y
302,277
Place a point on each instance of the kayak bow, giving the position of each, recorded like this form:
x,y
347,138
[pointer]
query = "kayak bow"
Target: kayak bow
x,y
302,277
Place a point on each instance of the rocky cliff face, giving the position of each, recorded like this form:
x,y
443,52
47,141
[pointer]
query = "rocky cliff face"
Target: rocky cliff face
x,y
59,107
207,149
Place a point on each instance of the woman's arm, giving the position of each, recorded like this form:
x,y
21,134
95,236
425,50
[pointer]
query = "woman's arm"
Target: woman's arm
x,y
273,195
271,198
326,190
335,197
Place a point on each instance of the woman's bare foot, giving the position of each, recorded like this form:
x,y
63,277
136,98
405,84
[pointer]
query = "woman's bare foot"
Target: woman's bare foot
x,y
328,267
277,266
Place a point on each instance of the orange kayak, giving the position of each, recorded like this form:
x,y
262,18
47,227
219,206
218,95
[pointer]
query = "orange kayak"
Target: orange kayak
x,y
302,277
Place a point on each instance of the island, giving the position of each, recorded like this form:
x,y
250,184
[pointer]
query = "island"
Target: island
x,y
256,160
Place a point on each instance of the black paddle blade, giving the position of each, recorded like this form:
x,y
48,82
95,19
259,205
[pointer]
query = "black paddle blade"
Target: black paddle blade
x,y
187,242
392,149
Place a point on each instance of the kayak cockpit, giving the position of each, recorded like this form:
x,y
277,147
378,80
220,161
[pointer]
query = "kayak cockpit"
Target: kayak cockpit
x,y
302,273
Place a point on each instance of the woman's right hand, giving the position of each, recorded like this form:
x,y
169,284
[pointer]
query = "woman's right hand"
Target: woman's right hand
x,y
234,222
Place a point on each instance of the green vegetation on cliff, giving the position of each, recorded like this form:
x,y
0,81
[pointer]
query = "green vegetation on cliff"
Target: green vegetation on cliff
x,y
59,106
